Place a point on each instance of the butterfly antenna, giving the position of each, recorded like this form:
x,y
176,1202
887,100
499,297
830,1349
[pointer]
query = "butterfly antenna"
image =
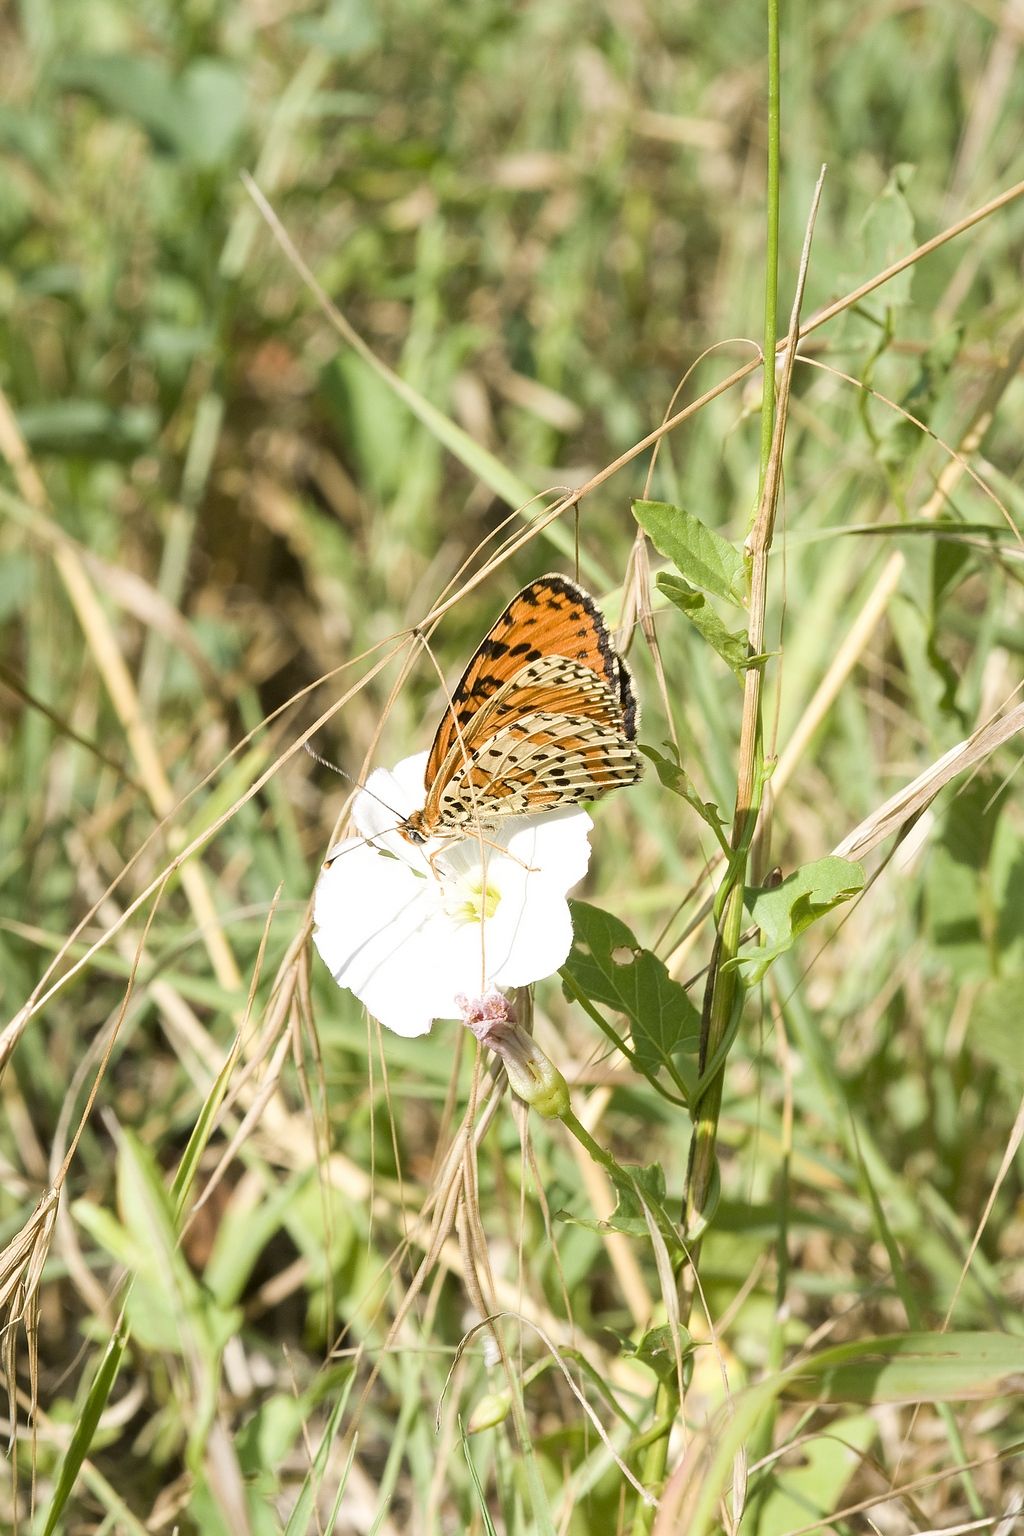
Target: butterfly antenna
x,y
326,763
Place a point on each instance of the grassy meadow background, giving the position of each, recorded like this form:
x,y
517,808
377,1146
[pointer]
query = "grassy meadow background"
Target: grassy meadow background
x,y
214,517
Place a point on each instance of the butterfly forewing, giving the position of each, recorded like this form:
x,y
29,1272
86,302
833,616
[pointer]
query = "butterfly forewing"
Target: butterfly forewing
x,y
543,716
551,616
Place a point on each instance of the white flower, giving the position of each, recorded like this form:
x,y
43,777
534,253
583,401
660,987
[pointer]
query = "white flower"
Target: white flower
x,y
411,929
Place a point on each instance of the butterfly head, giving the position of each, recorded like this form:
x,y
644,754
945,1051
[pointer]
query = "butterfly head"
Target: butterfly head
x,y
413,829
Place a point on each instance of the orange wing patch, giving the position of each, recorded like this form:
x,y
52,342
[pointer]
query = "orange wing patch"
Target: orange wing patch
x,y
551,616
543,716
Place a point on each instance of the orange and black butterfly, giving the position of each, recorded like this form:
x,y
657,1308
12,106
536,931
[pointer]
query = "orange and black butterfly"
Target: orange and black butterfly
x,y
544,716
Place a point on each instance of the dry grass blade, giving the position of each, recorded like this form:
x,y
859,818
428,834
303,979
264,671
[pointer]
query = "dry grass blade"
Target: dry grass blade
x,y
909,802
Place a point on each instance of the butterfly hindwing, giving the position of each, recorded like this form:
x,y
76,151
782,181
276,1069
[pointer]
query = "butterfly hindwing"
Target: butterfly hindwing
x,y
543,761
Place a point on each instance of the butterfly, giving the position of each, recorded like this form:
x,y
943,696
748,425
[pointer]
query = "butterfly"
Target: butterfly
x,y
543,717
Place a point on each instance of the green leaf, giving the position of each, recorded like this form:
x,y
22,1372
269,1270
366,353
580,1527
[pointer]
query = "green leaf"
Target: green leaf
x,y
909,1367
812,1487
675,778
85,1428
197,116
785,911
612,969
731,645
659,1347
913,1367
301,1518
212,103
699,554
138,87
887,233
640,1195
995,1029
345,29
88,428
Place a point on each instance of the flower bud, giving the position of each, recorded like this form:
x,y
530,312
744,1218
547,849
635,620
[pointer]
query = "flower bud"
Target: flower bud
x,y
490,1411
531,1075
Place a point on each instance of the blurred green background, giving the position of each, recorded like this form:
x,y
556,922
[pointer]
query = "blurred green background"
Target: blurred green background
x,y
541,216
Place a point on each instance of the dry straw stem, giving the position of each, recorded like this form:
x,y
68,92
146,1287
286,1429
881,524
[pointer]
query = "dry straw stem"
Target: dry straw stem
x,y
100,638
910,801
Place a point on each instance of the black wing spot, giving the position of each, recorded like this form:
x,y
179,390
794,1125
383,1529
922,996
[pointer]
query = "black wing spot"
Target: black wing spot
x,y
486,683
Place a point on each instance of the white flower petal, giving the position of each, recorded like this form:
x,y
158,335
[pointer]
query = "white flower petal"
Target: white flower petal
x,y
558,843
540,942
389,795
369,913
408,938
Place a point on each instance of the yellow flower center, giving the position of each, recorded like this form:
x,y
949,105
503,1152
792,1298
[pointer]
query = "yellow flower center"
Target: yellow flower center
x,y
471,899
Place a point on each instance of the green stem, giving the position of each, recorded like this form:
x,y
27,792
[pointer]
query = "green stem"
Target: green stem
x,y
652,1470
771,268
723,993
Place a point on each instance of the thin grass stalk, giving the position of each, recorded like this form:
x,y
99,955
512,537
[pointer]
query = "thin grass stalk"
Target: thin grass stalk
x,y
723,990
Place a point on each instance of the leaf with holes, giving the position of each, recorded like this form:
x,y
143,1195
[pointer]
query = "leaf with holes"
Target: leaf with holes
x,y
608,965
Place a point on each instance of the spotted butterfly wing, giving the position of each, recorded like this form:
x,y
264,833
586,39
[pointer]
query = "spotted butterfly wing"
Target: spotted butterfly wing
x,y
551,616
543,716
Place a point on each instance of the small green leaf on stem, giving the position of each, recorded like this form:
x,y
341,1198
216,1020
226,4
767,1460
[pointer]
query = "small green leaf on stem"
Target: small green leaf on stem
x,y
698,553
675,778
660,1349
783,912
731,645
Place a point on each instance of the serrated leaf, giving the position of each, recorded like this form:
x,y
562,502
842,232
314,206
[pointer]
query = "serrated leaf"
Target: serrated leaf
x,y
698,553
785,911
613,970
675,778
731,645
